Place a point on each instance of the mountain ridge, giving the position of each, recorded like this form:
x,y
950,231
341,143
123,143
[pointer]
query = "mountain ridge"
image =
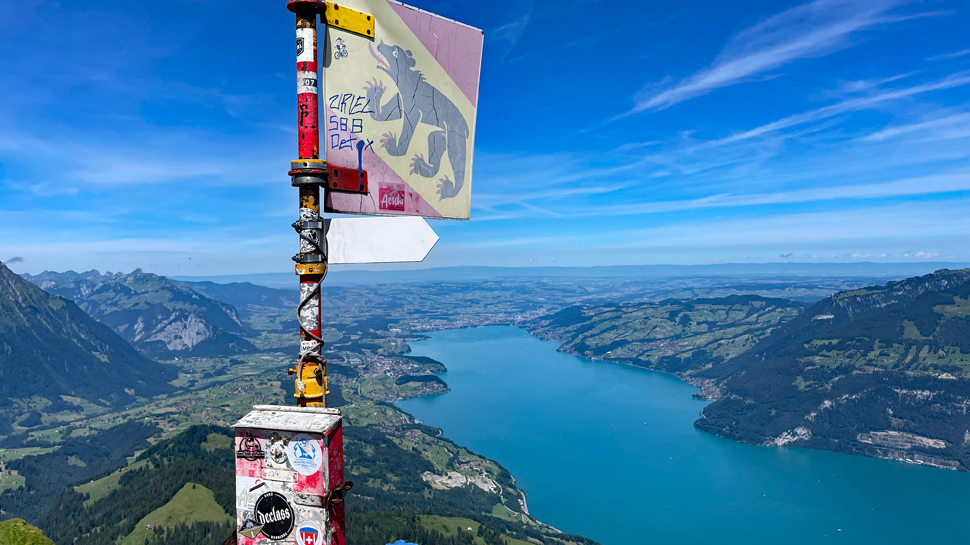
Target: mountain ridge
x,y
882,371
844,308
160,317
50,347
243,295
339,276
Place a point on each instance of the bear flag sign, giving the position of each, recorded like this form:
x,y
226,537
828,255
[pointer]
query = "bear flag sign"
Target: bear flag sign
x,y
401,105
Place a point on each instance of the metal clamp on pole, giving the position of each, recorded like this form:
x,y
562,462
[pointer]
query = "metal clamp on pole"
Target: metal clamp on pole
x,y
308,172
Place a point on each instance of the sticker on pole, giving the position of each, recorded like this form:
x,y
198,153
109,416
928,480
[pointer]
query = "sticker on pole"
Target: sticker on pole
x,y
401,106
304,454
309,533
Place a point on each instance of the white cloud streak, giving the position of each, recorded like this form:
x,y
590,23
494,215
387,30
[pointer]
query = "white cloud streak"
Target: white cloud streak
x,y
933,226
952,55
507,36
809,30
866,102
166,159
923,185
953,126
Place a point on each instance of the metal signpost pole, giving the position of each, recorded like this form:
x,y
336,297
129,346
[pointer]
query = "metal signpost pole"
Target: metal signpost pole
x,y
289,460
308,173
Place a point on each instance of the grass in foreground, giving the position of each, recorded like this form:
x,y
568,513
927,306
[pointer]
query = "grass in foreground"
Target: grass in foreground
x,y
18,532
193,503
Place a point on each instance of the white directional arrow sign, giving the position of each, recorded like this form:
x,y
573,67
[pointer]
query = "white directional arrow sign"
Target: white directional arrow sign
x,y
378,240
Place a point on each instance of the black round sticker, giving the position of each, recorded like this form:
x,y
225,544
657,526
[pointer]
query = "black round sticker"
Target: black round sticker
x,y
275,515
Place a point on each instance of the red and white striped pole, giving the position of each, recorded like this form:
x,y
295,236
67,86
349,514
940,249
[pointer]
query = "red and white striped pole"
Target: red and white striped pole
x,y
307,75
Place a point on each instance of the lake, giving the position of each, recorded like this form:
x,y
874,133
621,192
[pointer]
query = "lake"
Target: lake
x,y
610,452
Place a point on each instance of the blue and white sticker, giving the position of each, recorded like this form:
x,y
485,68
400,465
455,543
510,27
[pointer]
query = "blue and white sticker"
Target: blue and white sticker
x,y
309,533
304,454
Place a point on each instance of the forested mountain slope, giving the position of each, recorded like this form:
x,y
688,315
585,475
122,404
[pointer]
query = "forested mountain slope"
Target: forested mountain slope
x,y
192,473
49,347
854,306
883,371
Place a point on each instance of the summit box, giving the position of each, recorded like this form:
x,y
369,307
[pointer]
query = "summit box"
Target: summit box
x,y
290,476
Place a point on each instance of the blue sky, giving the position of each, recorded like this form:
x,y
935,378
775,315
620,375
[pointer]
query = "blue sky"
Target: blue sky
x,y
158,135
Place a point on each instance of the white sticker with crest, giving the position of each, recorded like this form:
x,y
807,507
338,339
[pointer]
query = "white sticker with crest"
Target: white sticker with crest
x,y
304,45
304,454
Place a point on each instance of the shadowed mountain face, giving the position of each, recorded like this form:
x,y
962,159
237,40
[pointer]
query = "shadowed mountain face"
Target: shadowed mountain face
x,y
50,347
883,371
158,316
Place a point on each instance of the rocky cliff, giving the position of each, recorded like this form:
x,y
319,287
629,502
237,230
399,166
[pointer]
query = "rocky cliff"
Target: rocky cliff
x,y
160,317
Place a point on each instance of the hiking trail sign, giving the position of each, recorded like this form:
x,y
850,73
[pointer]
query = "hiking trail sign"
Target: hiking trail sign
x,y
401,106
378,240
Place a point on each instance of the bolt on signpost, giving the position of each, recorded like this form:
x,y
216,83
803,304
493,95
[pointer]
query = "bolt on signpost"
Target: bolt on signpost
x,y
400,93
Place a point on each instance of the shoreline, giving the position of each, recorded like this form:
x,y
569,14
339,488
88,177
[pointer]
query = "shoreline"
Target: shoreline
x,y
522,501
683,379
911,458
712,394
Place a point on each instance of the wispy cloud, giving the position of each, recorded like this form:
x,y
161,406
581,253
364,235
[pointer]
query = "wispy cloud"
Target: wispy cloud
x,y
905,159
923,185
859,86
494,200
936,229
523,241
855,104
810,30
169,255
952,55
954,126
829,144
162,158
506,37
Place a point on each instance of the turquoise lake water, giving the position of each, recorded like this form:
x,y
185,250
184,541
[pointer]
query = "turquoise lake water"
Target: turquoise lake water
x,y
609,452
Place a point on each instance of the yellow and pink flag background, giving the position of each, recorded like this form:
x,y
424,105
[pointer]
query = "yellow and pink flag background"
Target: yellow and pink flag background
x,y
429,68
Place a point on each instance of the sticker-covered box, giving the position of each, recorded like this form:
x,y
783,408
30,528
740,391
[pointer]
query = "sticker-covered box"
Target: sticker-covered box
x,y
289,476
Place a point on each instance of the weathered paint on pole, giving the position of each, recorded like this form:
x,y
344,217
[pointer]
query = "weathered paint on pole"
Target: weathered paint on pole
x,y
289,460
309,495
307,82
